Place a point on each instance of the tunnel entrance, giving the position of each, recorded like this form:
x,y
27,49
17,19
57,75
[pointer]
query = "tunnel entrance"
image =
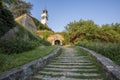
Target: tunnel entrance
x,y
57,42
56,39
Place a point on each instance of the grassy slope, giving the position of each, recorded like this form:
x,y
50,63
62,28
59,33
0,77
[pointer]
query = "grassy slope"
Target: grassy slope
x,y
25,47
15,60
39,25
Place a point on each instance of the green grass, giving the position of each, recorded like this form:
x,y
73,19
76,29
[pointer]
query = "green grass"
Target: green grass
x,y
8,62
110,50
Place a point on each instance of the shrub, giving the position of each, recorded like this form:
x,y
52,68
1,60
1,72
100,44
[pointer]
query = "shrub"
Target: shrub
x,y
17,46
3,59
110,50
44,42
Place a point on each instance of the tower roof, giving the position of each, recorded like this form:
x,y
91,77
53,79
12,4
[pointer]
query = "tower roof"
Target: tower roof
x,y
45,10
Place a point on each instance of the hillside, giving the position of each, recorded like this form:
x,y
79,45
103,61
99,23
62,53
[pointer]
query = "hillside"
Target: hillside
x,y
39,25
19,40
18,36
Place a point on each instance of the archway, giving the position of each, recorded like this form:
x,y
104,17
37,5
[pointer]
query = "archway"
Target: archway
x,y
55,39
57,42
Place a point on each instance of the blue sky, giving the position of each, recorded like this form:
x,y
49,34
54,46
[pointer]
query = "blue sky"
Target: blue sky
x,y
61,12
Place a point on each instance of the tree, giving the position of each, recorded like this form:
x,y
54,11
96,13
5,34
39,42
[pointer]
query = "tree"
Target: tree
x,y
1,3
89,31
6,20
18,7
66,38
9,1
116,27
82,30
108,34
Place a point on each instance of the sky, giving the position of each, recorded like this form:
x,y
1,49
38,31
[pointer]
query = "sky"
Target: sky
x,y
62,12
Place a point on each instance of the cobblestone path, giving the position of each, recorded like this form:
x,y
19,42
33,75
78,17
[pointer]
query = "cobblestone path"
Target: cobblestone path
x,y
70,65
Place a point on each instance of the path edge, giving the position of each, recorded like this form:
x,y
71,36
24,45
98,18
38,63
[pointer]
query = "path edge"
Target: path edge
x,y
26,70
112,70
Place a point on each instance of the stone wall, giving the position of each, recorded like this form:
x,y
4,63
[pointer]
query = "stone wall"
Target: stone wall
x,y
112,71
25,71
11,34
26,21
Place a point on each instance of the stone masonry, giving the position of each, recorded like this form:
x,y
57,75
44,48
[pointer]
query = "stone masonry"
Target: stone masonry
x,y
112,71
26,21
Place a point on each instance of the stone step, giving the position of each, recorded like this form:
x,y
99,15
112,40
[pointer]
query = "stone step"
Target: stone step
x,y
71,61
71,66
42,77
70,58
70,70
70,74
76,57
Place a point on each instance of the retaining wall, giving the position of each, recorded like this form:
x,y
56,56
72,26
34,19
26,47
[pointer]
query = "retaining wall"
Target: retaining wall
x,y
25,71
112,71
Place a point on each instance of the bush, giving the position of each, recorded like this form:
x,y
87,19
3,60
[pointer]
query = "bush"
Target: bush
x,y
44,42
17,46
3,59
110,50
6,20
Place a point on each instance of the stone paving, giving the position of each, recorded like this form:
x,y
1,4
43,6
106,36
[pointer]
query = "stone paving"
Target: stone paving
x,y
70,65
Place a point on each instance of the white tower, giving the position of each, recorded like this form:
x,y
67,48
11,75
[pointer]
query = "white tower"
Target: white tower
x,y
44,17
